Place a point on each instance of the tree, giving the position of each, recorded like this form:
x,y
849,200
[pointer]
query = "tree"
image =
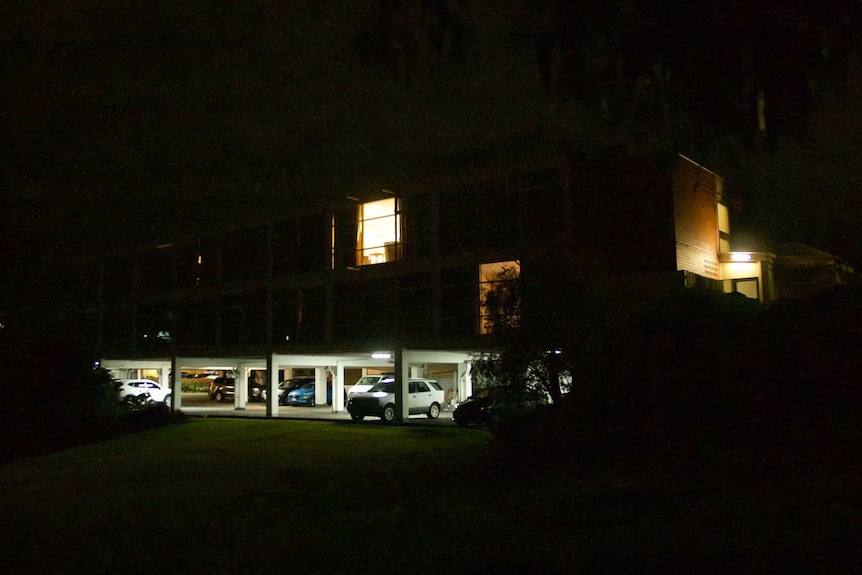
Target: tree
x,y
690,71
519,361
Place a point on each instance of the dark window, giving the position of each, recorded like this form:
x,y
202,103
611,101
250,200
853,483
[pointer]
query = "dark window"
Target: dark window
x,y
243,319
344,236
457,222
364,310
415,304
499,214
244,255
311,315
285,316
118,334
156,270
196,326
285,248
118,278
419,387
418,232
314,238
458,302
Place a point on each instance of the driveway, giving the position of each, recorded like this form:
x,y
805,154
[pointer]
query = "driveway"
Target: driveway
x,y
200,405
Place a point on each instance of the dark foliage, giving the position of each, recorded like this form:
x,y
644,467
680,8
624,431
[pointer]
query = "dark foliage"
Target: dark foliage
x,y
709,382
55,397
58,400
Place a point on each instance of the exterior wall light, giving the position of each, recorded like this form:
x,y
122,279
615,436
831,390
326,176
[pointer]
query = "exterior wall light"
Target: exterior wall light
x,y
381,355
740,257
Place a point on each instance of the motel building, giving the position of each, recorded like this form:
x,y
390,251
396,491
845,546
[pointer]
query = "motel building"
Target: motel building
x,y
391,280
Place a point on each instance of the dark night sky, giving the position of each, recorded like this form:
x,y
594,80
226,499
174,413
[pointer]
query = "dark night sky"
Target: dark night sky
x,y
159,113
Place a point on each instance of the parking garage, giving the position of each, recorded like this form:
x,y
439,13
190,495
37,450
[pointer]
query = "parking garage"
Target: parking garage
x,y
336,372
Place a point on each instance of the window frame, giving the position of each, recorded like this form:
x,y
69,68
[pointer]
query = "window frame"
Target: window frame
x,y
387,252
484,288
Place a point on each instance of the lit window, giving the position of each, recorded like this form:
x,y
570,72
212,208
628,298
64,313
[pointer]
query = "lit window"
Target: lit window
x,y
378,232
749,287
499,296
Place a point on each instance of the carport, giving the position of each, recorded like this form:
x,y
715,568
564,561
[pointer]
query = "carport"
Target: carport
x,y
405,363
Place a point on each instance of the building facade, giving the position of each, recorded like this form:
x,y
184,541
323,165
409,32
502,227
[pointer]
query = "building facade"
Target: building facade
x,y
396,278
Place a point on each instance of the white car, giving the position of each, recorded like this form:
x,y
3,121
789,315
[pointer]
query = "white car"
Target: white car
x,y
423,396
142,391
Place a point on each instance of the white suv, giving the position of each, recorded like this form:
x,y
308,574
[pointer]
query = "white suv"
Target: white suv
x,y
424,396
142,391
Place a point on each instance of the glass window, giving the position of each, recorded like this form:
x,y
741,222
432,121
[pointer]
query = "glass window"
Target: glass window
x,y
385,386
378,232
499,296
748,287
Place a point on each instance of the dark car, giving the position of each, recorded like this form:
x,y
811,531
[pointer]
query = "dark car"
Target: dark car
x,y
256,390
492,404
222,388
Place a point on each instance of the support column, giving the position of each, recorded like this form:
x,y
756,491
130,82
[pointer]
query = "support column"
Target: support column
x,y
176,384
271,387
402,380
338,388
165,375
319,386
464,383
240,387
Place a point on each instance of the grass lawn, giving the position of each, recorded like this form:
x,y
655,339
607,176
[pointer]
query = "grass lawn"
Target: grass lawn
x,y
238,496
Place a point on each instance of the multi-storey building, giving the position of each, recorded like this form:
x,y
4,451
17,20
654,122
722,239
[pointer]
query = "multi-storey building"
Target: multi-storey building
x,y
389,160
392,278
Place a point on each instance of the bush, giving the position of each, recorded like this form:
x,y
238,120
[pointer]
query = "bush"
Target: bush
x,y
706,379
59,399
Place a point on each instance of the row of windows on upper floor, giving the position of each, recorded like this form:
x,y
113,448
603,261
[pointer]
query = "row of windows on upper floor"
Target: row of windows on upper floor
x,y
483,220
468,303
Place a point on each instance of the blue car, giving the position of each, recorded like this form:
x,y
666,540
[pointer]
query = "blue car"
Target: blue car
x,y
304,395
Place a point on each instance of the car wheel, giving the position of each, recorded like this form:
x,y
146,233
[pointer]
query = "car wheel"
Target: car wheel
x,y
389,413
357,416
219,396
169,400
434,411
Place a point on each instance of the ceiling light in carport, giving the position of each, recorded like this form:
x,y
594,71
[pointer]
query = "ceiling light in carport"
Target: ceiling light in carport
x,y
381,355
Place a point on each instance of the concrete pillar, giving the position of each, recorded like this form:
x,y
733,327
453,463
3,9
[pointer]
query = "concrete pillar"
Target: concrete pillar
x,y
319,386
464,382
176,383
402,380
338,388
240,397
271,387
165,374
